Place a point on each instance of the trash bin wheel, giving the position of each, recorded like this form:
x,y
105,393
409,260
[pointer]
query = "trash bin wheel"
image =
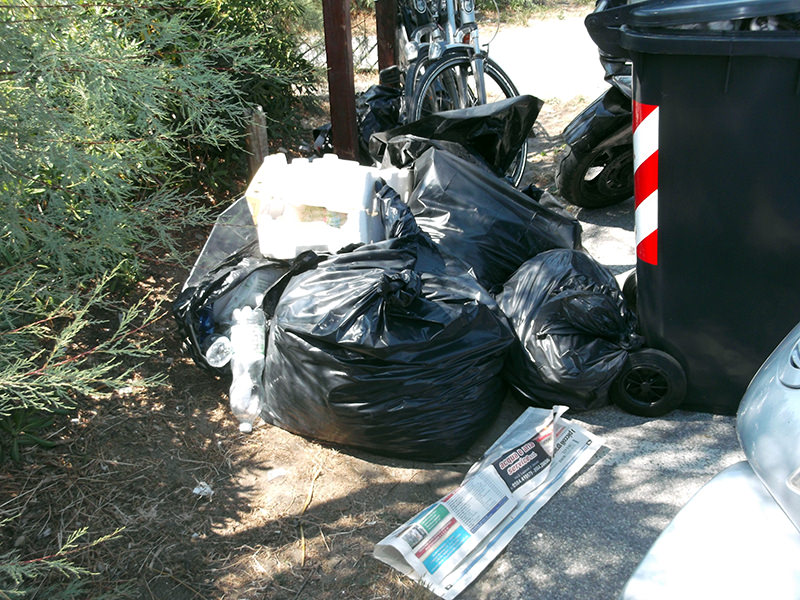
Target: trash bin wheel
x,y
651,384
629,290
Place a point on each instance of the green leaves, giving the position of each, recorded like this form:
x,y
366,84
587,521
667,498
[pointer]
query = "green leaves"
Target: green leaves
x,y
16,575
105,113
20,428
102,112
46,361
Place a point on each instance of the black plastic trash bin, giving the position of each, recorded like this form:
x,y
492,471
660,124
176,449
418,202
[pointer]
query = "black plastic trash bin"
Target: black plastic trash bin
x,y
717,183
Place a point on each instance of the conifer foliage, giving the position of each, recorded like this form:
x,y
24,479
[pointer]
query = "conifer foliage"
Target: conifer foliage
x,y
104,110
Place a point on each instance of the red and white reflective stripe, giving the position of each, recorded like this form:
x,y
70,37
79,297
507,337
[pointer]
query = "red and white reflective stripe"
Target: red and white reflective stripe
x,y
645,180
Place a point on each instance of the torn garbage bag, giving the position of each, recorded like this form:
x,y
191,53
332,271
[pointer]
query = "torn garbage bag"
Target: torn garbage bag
x,y
493,132
391,348
482,220
204,309
574,329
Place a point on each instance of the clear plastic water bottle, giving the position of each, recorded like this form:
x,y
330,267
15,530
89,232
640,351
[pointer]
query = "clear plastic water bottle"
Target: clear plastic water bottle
x,y
248,340
218,350
250,292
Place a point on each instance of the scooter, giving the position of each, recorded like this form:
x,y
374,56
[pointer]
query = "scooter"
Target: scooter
x,y
596,167
739,536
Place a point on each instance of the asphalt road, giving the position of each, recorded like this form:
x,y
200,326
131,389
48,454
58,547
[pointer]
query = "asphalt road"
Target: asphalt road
x,y
589,538
586,542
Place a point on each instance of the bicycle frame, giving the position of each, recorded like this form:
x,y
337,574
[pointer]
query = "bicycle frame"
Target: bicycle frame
x,y
469,27
447,67
440,38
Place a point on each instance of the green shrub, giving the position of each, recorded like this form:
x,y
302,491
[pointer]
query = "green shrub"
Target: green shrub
x,y
277,30
107,114
103,114
520,9
100,110
18,575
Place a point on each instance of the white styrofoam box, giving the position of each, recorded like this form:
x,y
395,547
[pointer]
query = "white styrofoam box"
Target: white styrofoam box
x,y
322,204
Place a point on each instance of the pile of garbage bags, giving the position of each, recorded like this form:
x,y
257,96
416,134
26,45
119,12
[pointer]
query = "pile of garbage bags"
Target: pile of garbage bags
x,y
391,347
405,340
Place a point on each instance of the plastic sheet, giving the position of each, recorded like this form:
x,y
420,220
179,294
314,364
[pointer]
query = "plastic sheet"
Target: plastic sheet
x,y
204,308
492,132
233,230
574,328
483,220
392,348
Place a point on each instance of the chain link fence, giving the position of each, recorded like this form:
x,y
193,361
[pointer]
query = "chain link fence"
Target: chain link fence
x,y
365,43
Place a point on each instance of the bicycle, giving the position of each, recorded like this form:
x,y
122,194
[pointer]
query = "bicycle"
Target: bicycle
x,y
450,69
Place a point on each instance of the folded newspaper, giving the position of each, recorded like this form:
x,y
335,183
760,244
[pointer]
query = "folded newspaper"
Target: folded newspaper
x,y
447,545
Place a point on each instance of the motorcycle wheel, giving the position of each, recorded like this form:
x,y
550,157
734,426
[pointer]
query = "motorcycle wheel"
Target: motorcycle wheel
x,y
600,177
630,290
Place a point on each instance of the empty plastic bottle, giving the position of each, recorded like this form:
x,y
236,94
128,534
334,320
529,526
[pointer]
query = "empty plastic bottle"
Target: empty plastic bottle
x,y
218,351
250,292
248,340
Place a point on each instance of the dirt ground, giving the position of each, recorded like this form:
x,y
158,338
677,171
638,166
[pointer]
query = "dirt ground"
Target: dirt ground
x,y
281,517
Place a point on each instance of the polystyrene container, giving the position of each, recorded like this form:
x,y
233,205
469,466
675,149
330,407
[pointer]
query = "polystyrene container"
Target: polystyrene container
x,y
321,205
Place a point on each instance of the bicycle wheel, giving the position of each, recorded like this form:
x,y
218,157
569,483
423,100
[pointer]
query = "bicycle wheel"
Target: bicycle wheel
x,y
449,84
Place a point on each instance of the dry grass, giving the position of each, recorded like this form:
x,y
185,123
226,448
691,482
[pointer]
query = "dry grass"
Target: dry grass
x,y
288,518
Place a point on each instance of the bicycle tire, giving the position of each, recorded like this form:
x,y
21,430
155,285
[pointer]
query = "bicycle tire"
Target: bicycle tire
x,y
445,74
414,72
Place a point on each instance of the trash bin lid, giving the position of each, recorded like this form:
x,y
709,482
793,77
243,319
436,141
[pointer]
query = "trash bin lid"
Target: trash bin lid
x,y
649,28
687,12
606,27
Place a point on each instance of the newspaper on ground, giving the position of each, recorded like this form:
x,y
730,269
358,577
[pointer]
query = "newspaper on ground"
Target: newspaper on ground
x,y
447,545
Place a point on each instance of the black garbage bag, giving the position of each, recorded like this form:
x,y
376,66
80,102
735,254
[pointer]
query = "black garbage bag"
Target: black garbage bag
x,y
574,330
493,132
483,220
377,109
322,140
244,278
403,150
392,348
